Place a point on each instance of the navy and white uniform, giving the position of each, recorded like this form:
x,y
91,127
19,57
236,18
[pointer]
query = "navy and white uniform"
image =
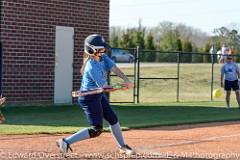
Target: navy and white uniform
x,y
97,107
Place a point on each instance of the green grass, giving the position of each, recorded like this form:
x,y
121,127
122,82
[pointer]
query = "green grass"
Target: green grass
x,y
69,119
195,83
157,104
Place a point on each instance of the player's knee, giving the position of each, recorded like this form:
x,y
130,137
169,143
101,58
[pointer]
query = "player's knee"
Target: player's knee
x,y
112,119
94,132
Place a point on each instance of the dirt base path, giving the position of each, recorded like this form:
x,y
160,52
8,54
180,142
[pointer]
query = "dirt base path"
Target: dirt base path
x,y
201,141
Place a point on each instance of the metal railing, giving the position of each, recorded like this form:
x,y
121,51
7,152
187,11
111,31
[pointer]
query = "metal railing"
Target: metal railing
x,y
178,58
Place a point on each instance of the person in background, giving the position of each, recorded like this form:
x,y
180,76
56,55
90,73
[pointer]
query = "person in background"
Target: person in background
x,y
224,53
213,53
230,74
2,101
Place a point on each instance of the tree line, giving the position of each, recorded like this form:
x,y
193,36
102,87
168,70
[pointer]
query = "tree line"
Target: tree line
x,y
168,36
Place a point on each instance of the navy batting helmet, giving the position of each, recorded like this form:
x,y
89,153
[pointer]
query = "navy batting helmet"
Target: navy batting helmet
x,y
95,43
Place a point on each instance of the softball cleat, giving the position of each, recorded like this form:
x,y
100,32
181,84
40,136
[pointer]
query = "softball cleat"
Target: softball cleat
x,y
126,150
63,146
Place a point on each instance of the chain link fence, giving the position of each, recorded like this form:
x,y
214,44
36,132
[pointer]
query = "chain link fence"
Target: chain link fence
x,y
169,77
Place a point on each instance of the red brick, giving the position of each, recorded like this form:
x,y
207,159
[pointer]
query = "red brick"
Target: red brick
x,y
28,39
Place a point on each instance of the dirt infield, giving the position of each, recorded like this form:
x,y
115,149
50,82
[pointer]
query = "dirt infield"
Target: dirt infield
x,y
202,141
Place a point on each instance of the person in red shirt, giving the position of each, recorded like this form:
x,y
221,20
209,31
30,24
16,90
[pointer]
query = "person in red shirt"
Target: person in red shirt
x,y
2,100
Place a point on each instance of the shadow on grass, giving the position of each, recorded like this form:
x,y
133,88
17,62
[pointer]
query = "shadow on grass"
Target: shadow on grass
x,y
185,126
45,116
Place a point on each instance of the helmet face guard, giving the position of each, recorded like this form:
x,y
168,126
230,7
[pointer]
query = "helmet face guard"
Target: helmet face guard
x,y
94,49
94,44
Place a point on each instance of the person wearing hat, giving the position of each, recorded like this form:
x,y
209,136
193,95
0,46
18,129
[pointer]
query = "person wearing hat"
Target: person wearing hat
x,y
96,107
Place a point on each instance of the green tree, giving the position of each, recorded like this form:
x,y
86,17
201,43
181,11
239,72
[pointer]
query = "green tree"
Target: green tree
x,y
187,47
207,58
138,35
196,58
115,34
149,45
149,42
179,45
170,42
229,37
126,40
138,38
114,41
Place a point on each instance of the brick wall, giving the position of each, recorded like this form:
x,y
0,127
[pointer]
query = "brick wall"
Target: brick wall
x,y
28,39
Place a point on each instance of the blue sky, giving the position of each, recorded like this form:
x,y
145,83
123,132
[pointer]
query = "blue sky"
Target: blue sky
x,y
202,14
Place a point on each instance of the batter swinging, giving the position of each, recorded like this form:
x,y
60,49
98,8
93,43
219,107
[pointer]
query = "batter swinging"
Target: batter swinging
x,y
96,107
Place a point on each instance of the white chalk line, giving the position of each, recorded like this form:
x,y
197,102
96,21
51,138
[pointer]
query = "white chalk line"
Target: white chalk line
x,y
150,148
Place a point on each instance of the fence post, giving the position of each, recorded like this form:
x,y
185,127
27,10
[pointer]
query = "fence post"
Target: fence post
x,y
213,53
212,57
178,74
1,66
212,82
137,75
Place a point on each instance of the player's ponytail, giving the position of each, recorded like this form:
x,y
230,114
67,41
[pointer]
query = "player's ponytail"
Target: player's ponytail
x,y
86,57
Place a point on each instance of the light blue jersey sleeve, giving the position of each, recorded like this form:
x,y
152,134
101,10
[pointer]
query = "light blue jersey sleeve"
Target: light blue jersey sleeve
x,y
108,62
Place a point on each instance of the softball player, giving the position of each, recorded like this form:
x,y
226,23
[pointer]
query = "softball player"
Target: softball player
x,y
96,107
230,73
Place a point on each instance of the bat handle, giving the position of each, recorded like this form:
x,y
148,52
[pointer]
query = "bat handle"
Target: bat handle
x,y
74,94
